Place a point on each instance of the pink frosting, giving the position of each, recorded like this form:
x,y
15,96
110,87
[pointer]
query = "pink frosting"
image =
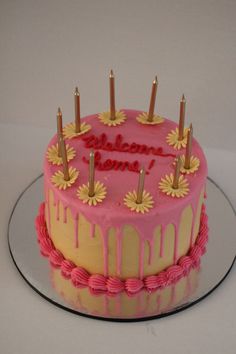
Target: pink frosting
x,y
113,285
112,212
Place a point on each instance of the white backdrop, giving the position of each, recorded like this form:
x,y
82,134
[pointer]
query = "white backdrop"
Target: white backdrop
x,y
47,47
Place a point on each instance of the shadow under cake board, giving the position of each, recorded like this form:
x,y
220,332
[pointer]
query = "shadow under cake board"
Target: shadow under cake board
x,y
215,264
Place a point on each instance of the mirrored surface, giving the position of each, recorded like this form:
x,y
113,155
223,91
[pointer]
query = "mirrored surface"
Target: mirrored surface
x,y
49,283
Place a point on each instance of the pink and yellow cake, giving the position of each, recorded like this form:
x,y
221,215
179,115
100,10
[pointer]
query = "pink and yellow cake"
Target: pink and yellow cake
x,y
109,242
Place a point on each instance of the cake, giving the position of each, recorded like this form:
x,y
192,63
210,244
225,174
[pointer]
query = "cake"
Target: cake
x,y
110,241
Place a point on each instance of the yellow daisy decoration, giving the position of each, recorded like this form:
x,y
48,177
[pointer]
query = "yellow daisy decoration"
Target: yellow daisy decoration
x,y
52,154
100,192
166,186
69,130
173,139
105,118
130,200
194,164
59,181
143,119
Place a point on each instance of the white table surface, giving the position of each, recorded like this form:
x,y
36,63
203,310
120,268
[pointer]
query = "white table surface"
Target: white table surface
x,y
29,324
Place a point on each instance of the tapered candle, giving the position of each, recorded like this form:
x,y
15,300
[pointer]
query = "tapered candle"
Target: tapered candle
x,y
112,96
152,100
188,151
77,110
182,117
91,174
175,184
64,159
140,186
59,130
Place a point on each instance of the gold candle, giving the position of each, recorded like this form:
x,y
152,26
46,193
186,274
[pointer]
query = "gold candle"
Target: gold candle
x,y
140,186
112,96
59,130
152,100
182,117
64,159
91,174
188,151
175,184
77,110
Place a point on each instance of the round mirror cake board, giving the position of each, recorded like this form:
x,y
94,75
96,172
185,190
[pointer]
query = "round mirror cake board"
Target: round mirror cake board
x,y
48,282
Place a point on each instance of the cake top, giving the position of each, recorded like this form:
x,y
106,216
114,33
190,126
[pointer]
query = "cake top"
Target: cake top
x,y
120,152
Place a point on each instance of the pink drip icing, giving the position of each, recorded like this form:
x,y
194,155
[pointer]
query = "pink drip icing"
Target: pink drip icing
x,y
119,237
92,230
150,253
194,211
58,210
65,214
76,231
163,229
54,199
141,258
176,228
48,209
105,251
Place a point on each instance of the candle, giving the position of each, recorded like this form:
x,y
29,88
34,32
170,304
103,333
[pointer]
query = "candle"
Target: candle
x,y
64,159
91,174
152,100
59,130
77,110
140,186
112,96
188,151
182,117
175,184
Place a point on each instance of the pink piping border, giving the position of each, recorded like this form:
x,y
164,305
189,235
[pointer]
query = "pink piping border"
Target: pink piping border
x,y
113,285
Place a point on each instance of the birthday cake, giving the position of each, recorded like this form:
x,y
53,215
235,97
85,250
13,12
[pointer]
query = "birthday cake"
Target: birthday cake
x,y
124,200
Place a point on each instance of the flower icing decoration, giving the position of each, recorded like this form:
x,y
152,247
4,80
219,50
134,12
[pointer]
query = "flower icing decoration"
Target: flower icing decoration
x,y
52,154
194,165
59,181
130,200
166,186
173,139
105,118
70,133
143,119
99,193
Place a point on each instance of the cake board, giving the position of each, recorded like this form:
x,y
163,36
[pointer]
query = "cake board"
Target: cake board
x,y
35,269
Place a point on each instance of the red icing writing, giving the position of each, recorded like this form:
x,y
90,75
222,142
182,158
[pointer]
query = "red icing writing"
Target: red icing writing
x,y
110,164
101,143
